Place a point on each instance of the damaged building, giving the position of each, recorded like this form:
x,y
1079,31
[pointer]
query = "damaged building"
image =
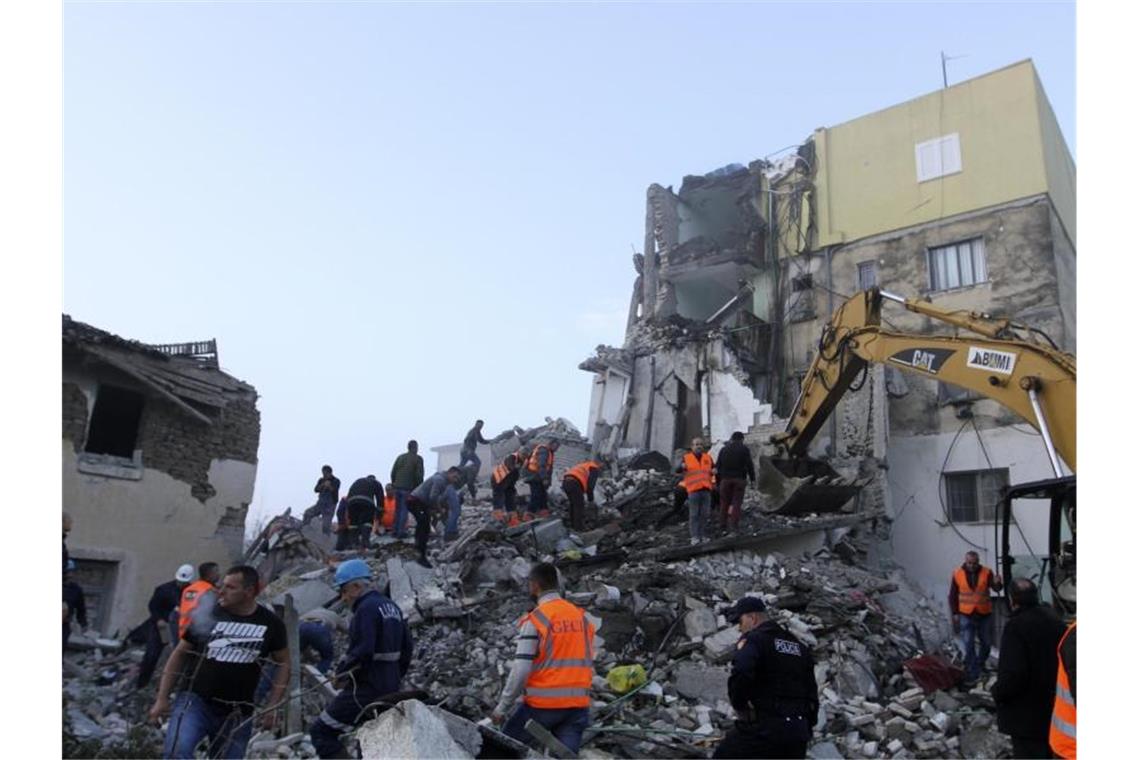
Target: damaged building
x,y
159,459
965,197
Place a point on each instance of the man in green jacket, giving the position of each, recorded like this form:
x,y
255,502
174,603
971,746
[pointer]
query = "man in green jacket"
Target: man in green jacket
x,y
407,473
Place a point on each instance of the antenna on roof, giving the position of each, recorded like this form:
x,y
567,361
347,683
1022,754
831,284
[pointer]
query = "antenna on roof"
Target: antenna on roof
x,y
945,58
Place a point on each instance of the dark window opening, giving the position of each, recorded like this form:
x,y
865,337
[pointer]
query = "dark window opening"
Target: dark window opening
x,y
114,428
802,282
97,579
868,274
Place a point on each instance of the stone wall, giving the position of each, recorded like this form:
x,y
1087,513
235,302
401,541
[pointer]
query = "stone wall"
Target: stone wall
x,y
74,415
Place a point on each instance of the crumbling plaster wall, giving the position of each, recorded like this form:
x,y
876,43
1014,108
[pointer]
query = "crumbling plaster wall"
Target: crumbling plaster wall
x,y
153,524
923,540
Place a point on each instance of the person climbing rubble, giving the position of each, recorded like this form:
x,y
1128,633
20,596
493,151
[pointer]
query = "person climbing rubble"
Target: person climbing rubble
x,y
437,492
328,494
197,601
407,473
163,609
365,501
223,663
503,494
697,469
733,466
539,473
578,485
771,687
553,666
379,654
75,608
971,611
467,453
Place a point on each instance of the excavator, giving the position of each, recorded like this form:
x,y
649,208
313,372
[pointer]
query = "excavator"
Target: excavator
x,y
1014,364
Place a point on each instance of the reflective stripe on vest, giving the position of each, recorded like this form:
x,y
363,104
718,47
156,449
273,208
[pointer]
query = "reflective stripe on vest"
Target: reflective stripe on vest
x,y
191,596
563,668
581,473
499,474
698,472
386,656
1063,729
532,464
973,600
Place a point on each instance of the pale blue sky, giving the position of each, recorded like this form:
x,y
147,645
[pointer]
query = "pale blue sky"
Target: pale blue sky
x,y
397,218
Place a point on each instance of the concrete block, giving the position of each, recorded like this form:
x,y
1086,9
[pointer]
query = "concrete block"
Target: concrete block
x,y
307,595
700,622
409,730
720,646
701,682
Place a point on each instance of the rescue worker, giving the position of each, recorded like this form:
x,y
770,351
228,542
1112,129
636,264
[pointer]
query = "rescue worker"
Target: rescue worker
x,y
344,532
163,609
328,494
1027,671
733,465
378,656
197,601
553,666
1063,730
503,480
467,453
696,467
971,611
771,686
437,492
385,520
539,472
75,608
578,485
365,498
407,473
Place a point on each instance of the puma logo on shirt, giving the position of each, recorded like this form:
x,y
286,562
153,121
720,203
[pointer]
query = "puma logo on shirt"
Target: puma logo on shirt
x,y
235,642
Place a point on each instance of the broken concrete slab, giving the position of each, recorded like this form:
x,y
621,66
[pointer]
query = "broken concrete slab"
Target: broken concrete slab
x,y
720,646
700,622
307,595
411,729
701,682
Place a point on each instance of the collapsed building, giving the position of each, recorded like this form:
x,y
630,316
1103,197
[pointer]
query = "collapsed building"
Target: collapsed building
x,y
965,197
159,460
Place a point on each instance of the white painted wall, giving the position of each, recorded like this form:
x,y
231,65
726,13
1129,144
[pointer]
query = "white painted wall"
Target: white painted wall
x,y
929,551
731,404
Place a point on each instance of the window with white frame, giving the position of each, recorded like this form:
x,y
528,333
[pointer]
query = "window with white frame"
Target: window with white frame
x,y
868,274
974,496
938,157
957,265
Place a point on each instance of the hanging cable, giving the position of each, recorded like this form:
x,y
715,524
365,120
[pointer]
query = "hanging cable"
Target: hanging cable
x,y
942,500
990,465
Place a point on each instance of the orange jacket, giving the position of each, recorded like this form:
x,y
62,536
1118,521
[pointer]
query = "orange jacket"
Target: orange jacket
x,y
581,473
971,599
698,472
532,464
387,518
1063,730
564,666
191,596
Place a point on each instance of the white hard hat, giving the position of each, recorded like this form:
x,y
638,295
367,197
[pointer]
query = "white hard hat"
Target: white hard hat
x,y
185,574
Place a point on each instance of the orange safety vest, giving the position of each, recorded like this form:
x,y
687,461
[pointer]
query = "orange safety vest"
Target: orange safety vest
x,y
698,472
387,518
500,473
974,600
191,596
581,472
533,465
1063,730
564,664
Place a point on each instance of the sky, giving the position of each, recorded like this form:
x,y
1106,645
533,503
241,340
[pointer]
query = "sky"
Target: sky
x,y
399,218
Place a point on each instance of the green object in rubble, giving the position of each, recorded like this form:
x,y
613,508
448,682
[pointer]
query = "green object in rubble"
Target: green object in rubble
x,y
623,678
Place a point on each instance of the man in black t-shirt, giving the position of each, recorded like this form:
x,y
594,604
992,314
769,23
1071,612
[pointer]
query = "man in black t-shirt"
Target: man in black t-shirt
x,y
222,664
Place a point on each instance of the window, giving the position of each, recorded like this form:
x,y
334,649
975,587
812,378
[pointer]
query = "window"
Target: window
x,y
115,420
957,265
868,274
974,496
938,157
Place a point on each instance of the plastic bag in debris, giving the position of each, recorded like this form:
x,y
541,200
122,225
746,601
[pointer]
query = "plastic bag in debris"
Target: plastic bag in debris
x,y
625,677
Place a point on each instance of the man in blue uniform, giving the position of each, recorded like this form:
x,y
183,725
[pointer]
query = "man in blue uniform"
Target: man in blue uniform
x,y
378,656
772,688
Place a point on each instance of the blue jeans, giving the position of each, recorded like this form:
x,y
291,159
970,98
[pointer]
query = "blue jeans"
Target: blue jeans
x,y
538,498
567,725
470,476
700,503
193,718
452,528
982,627
401,512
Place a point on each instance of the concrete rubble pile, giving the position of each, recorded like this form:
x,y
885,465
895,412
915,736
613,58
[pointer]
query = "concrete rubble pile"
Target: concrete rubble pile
x,y
657,603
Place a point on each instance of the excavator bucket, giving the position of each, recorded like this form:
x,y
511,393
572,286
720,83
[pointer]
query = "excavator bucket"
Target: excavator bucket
x,y
803,486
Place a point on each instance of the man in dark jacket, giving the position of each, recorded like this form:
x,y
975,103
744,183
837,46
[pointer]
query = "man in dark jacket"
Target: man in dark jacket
x,y
467,453
733,465
365,501
407,474
1027,672
771,687
328,494
378,656
163,609
74,603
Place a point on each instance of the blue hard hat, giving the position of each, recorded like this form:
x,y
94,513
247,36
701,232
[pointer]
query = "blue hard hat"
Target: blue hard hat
x,y
352,570
70,566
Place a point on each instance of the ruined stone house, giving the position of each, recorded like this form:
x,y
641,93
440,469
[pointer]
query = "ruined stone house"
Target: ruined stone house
x,y
159,460
965,196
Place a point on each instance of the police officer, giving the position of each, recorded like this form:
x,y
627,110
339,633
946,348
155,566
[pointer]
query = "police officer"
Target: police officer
x,y
772,688
378,656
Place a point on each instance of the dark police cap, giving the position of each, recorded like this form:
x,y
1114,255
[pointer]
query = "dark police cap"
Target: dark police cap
x,y
743,606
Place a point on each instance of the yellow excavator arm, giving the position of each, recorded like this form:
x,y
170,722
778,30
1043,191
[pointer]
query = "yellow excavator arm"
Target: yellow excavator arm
x,y
1003,361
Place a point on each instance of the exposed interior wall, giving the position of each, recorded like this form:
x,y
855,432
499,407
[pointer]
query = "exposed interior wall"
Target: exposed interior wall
x,y
923,541
867,181
1060,169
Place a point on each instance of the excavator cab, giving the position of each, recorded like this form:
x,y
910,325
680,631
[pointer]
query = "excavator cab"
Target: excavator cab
x,y
1058,571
